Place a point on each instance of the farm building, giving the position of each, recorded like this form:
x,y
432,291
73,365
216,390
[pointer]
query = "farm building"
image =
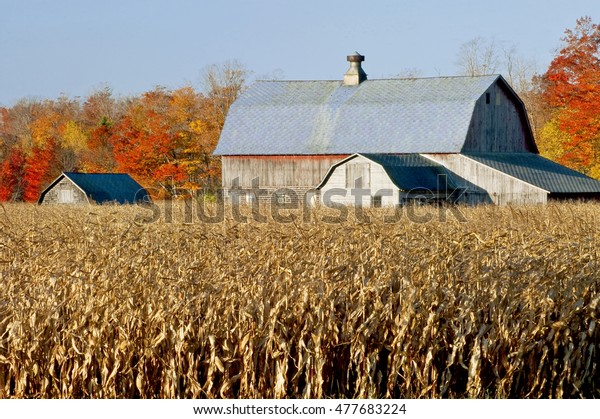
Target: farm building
x,y
98,188
393,134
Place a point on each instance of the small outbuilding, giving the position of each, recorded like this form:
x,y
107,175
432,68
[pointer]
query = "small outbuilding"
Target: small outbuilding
x,y
90,188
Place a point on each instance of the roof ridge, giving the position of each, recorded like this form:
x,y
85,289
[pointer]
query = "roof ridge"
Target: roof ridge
x,y
481,76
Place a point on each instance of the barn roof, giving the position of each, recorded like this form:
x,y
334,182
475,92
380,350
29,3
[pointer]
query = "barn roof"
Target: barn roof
x,y
104,187
539,171
427,115
407,171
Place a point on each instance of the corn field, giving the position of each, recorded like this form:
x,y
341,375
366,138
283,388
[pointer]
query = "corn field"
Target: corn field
x,y
95,304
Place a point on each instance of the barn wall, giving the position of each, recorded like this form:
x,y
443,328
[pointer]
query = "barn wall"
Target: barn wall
x,y
498,126
378,182
63,189
482,181
272,173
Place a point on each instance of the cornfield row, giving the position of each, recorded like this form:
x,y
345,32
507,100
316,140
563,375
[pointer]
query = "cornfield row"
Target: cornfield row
x,y
95,304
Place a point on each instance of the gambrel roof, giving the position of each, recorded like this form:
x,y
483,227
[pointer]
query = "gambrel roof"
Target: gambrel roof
x,y
427,115
104,187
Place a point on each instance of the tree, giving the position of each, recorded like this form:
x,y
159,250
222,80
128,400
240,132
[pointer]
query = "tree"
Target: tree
x,y
11,176
222,85
100,112
571,88
164,138
478,57
159,139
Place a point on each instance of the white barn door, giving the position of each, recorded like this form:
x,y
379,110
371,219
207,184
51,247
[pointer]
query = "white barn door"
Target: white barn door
x,y
65,196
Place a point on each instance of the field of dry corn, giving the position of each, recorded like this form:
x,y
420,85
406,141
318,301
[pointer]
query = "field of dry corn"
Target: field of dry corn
x,y
96,304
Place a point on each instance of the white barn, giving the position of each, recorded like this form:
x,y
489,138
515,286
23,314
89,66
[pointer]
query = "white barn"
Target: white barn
x,y
299,136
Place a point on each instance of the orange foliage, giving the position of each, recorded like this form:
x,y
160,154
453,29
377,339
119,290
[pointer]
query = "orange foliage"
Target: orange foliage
x,y
572,90
163,138
11,174
37,170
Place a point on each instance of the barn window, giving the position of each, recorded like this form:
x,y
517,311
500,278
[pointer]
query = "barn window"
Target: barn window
x,y
376,201
358,175
487,98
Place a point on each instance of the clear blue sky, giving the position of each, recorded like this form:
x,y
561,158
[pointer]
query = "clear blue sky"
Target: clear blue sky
x,y
49,47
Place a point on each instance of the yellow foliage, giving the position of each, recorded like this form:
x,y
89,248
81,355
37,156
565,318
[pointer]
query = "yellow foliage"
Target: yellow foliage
x,y
198,126
41,131
73,136
595,171
551,139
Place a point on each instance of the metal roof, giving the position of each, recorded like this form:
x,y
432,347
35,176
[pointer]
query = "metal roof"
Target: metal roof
x,y
105,187
539,171
429,115
408,171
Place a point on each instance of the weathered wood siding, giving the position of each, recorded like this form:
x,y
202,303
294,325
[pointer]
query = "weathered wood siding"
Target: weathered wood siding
x,y
275,173
65,192
483,182
498,124
344,178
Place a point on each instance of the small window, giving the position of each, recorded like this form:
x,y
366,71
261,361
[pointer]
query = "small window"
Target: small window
x,y
376,201
283,198
487,98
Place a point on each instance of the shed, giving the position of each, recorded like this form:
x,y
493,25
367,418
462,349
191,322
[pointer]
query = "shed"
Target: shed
x,y
99,188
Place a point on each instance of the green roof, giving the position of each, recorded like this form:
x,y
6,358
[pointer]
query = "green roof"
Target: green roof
x,y
539,171
105,187
414,172
409,172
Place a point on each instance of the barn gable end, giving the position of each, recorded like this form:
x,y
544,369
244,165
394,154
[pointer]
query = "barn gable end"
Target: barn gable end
x,y
499,123
63,191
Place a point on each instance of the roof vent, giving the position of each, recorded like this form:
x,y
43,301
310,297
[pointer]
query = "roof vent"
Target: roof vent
x,y
355,74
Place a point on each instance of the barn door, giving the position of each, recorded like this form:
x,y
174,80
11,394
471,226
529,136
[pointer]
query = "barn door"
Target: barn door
x,y
66,196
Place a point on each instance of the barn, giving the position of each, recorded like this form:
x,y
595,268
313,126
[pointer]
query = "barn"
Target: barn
x,y
305,138
98,188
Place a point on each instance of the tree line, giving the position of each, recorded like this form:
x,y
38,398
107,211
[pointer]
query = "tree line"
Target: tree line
x,y
165,138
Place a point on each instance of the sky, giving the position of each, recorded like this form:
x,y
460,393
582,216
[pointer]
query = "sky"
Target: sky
x,y
50,48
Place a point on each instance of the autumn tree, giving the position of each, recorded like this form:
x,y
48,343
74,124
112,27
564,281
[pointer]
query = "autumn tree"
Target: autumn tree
x,y
571,88
222,85
164,138
12,175
100,112
158,139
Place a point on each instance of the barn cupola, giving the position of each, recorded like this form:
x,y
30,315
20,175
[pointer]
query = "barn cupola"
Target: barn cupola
x,y
355,74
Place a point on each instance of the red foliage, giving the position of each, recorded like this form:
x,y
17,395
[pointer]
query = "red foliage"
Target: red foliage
x,y
11,174
573,90
38,167
147,144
